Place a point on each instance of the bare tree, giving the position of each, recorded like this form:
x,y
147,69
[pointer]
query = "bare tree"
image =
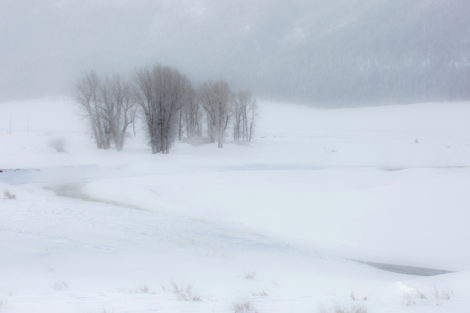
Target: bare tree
x,y
239,114
162,93
252,112
192,115
109,106
244,113
216,100
88,95
119,108
180,125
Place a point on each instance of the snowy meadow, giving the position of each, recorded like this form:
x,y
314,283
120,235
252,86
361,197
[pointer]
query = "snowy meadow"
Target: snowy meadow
x,y
286,223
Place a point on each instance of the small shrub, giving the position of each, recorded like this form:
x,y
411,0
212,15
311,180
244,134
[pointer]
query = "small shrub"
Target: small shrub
x,y
353,309
415,296
8,195
337,308
353,297
185,293
144,289
341,309
58,144
243,307
250,276
409,299
420,295
442,295
262,293
60,285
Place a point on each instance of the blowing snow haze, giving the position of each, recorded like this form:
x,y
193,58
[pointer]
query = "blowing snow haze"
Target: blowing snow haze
x,y
343,51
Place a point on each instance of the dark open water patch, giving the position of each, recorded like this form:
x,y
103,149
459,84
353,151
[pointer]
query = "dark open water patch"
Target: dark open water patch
x,y
405,269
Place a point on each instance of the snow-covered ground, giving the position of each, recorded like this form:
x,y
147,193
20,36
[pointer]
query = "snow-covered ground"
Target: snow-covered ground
x,y
273,226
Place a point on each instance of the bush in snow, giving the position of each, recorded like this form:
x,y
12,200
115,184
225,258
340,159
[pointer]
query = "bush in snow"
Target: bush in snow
x,y
250,275
145,290
342,309
261,293
243,307
412,296
58,144
185,293
8,195
60,285
442,295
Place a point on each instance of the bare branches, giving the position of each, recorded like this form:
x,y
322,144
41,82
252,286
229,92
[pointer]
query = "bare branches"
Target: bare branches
x,y
216,101
244,113
109,106
192,115
88,90
120,108
162,93
170,107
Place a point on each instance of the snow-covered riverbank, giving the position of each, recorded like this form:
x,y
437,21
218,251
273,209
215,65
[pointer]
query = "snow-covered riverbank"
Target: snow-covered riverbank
x,y
270,224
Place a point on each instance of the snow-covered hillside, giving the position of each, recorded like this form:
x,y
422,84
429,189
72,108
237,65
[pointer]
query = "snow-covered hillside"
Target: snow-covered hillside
x,y
274,226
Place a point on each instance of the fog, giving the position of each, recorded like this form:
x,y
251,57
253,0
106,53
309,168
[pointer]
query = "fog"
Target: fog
x,y
321,52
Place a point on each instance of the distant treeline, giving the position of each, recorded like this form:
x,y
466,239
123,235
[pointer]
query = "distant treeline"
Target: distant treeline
x,y
170,108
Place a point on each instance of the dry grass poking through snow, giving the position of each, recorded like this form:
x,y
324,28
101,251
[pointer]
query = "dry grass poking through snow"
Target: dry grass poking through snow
x,y
358,305
261,293
60,285
342,309
250,275
8,195
244,307
58,144
357,298
442,295
144,289
415,296
185,293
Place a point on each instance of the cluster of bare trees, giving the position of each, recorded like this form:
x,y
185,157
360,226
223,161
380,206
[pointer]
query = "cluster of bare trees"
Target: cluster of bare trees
x,y
222,109
110,107
244,113
162,93
171,108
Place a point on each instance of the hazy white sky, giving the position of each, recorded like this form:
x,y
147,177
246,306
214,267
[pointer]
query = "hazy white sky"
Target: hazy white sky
x,y
47,43
305,48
